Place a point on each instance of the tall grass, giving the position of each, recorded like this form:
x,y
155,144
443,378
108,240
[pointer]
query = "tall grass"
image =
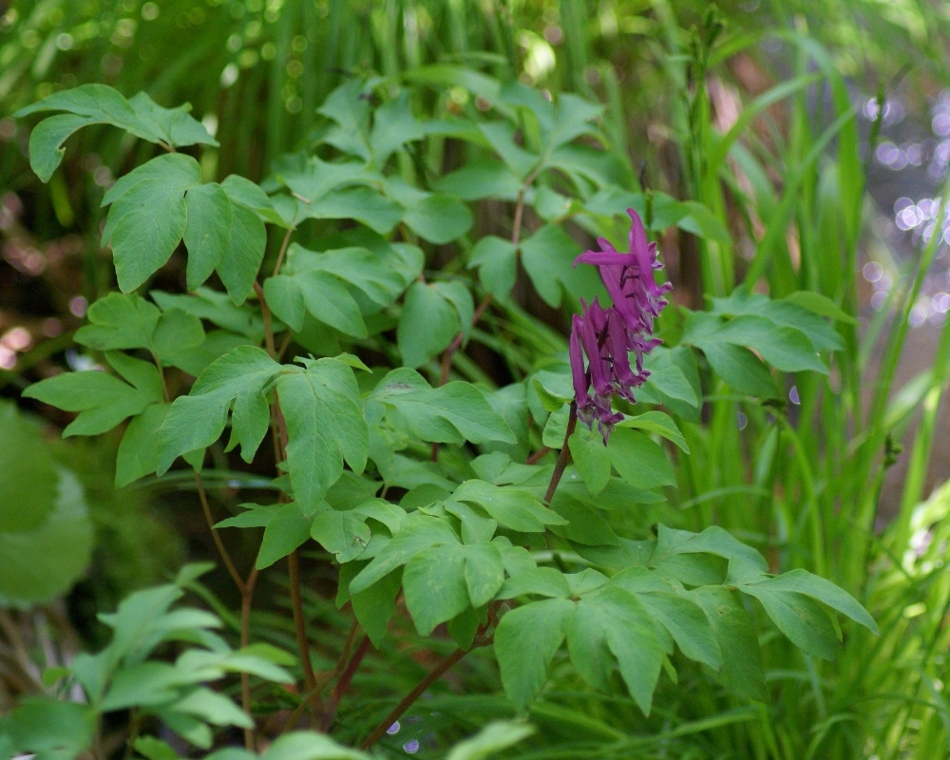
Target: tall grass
x,y
786,174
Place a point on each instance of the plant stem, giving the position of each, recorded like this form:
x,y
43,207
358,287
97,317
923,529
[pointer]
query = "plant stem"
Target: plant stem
x,y
268,321
564,457
325,678
412,696
300,625
247,596
538,455
343,684
283,249
222,550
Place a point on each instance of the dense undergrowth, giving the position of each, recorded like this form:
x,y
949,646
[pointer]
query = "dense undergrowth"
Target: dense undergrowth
x,y
406,186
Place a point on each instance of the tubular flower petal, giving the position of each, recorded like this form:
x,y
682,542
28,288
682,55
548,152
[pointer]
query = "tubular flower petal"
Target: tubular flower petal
x,y
608,336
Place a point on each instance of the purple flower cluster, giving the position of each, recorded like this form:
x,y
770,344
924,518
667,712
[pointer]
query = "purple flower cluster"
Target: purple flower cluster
x,y
609,336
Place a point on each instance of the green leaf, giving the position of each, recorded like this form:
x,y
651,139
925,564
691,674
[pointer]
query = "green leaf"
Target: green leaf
x,y
393,126
363,204
457,294
484,572
207,231
374,606
328,301
548,258
148,216
673,381
659,423
285,300
544,581
799,617
493,738
451,413
211,707
741,369
418,532
427,324
217,308
52,729
99,104
638,460
325,425
511,507
349,108
785,313
434,586
741,657
784,347
591,459
501,137
629,634
28,487
440,219
63,540
481,178
102,400
138,453
826,592
713,540
704,223
146,684
285,531
123,321
344,534
820,305
195,421
497,262
525,642
669,604
307,745
378,274
585,524
243,253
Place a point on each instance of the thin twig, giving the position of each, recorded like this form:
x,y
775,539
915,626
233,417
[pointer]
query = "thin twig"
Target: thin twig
x,y
247,596
324,678
283,250
268,321
538,455
333,702
300,624
564,457
412,696
222,550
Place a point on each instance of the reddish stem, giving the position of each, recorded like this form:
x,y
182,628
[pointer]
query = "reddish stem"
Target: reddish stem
x,y
564,457
412,696
333,702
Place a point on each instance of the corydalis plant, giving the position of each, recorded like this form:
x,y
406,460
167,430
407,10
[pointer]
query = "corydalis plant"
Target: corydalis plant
x,y
609,336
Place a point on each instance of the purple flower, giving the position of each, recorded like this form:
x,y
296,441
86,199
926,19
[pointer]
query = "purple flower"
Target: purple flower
x,y
608,336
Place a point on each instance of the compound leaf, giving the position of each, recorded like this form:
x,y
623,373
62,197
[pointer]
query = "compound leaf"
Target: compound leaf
x,y
197,420
325,425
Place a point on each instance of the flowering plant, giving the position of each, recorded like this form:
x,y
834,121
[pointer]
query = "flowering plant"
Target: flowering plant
x,y
608,336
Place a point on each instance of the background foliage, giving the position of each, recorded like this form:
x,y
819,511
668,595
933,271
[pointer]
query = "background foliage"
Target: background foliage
x,y
745,126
